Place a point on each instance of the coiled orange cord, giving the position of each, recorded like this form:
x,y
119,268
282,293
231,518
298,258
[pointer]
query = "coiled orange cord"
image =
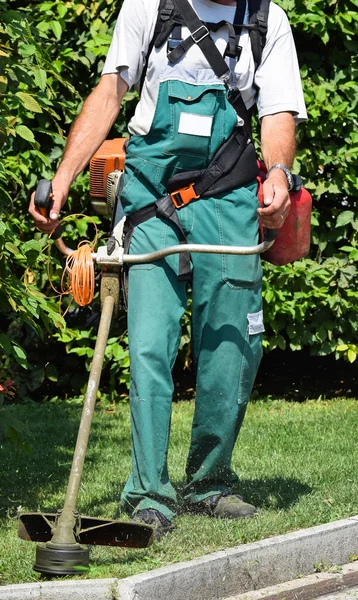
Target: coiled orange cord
x,y
78,279
79,272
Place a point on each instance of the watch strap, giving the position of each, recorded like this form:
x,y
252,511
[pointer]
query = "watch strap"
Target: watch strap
x,y
286,171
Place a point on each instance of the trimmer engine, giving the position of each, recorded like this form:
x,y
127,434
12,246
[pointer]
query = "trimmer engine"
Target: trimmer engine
x,y
106,169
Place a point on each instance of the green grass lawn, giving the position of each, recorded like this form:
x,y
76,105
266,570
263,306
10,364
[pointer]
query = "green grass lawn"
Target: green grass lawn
x,y
297,462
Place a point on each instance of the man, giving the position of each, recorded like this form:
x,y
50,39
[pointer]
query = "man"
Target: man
x,y
183,117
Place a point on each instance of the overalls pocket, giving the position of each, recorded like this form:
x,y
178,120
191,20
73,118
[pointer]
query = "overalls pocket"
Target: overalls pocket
x,y
238,226
196,113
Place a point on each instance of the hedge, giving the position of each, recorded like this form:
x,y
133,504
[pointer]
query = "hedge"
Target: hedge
x,y
51,56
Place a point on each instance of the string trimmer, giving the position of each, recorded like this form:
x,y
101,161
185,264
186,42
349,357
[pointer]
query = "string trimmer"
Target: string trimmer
x,y
63,536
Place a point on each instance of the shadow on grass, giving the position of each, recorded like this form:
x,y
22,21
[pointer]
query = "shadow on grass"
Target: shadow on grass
x,y
31,481
277,492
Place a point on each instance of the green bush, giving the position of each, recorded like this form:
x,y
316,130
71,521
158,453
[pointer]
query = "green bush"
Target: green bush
x,y
51,55
314,302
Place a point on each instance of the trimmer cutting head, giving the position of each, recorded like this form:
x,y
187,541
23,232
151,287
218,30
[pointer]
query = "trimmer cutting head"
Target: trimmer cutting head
x,y
61,561
61,558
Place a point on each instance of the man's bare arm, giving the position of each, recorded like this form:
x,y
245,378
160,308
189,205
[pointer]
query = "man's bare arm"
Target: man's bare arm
x,y
278,146
90,129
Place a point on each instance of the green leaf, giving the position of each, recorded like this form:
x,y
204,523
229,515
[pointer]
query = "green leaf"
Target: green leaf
x,y
56,28
344,218
40,77
82,227
43,158
62,10
5,343
11,247
27,50
3,84
45,6
29,102
20,356
25,133
351,355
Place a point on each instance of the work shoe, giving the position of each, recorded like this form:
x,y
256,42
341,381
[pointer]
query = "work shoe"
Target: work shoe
x,y
225,506
150,516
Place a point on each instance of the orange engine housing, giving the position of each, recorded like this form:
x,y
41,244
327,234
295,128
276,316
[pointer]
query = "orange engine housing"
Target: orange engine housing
x,y
109,157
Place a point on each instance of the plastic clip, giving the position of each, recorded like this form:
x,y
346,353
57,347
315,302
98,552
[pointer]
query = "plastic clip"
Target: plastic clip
x,y
183,196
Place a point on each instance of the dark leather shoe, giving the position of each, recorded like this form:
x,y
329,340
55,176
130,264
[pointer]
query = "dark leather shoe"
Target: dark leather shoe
x,y
150,516
225,506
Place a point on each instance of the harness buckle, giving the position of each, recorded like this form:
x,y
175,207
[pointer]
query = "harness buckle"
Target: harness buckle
x,y
198,36
172,44
183,196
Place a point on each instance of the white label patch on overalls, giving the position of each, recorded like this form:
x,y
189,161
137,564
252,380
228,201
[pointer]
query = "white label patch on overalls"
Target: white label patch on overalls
x,y
256,323
195,124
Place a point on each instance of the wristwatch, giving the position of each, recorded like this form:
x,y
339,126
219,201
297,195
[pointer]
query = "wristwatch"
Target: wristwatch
x,y
286,171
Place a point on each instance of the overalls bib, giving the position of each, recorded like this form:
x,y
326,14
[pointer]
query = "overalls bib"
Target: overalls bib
x,y
191,121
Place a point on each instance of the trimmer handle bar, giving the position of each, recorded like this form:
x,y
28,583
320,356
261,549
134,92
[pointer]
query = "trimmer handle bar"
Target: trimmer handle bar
x,y
44,201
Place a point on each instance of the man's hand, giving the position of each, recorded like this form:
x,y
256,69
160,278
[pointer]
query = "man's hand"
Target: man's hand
x,y
278,146
276,200
48,224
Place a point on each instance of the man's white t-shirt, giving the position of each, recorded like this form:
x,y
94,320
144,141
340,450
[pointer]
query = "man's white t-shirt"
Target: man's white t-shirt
x,y
275,87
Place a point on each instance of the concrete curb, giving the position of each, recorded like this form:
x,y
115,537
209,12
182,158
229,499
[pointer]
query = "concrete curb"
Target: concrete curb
x,y
216,576
307,588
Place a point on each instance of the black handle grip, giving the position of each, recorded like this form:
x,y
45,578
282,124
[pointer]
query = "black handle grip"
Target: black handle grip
x,y
270,234
43,197
43,201
57,233
297,183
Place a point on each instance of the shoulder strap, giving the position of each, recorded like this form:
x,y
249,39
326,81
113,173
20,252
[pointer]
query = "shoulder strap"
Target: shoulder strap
x,y
165,10
240,12
258,17
170,16
200,35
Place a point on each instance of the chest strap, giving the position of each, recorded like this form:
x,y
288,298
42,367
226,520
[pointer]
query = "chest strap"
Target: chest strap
x,y
177,47
200,35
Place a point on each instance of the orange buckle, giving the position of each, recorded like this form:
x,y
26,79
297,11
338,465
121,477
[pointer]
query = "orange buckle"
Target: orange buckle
x,y
183,196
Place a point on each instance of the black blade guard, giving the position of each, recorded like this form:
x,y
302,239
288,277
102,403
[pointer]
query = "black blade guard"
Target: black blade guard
x,y
39,527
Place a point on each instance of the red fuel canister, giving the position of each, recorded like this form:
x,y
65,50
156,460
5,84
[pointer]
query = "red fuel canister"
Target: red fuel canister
x,y
293,240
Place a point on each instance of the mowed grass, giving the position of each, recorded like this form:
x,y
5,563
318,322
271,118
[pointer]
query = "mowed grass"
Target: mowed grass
x,y
297,463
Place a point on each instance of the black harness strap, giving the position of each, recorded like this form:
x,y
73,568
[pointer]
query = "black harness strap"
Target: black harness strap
x,y
240,12
199,35
169,23
164,209
258,18
167,26
224,160
176,42
163,13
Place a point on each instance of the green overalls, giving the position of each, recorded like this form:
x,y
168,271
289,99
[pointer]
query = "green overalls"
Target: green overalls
x,y
226,302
